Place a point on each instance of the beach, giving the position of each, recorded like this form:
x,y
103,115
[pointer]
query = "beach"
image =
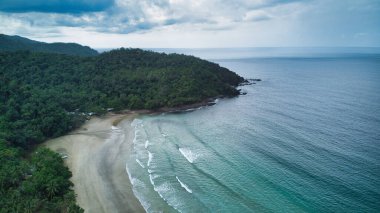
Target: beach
x,y
96,154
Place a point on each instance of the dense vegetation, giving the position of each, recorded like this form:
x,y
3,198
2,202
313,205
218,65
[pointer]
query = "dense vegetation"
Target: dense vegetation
x,y
39,184
125,78
15,43
45,95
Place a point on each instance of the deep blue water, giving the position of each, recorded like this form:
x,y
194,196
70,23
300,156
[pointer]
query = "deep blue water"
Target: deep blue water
x,y
304,139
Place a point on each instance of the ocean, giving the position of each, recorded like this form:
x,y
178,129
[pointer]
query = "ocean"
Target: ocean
x,y
304,139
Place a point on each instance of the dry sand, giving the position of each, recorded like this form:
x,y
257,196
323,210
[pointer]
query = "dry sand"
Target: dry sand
x,y
97,155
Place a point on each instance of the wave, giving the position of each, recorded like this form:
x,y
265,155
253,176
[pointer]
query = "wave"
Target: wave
x,y
141,164
184,185
136,183
114,128
151,179
162,188
150,156
188,154
135,137
136,122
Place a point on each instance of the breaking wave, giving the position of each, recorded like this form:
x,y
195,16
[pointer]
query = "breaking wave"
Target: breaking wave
x,y
188,154
184,185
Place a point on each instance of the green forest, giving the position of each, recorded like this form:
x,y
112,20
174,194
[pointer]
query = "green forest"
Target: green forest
x,y
16,43
45,95
35,183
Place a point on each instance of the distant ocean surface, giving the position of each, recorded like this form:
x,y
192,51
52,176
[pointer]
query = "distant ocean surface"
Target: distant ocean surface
x,y
304,139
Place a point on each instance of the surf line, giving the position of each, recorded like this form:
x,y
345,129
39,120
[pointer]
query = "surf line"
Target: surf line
x,y
184,185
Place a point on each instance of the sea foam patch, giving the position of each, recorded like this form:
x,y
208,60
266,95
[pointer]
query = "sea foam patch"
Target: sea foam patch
x,y
190,155
150,156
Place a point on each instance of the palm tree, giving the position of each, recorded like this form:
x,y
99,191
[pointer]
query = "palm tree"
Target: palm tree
x,y
52,188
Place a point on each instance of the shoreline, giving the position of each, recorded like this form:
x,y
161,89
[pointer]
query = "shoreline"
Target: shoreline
x,y
182,108
96,154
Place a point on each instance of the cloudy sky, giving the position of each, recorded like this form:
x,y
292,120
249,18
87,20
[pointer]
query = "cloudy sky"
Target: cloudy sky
x,y
195,23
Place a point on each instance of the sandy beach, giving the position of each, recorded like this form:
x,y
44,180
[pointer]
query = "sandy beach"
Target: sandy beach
x,y
97,155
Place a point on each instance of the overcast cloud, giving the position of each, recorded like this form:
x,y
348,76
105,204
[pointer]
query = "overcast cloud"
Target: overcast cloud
x,y
198,23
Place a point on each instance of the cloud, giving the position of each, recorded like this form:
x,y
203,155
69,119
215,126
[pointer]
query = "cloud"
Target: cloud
x,y
257,15
127,16
54,6
201,22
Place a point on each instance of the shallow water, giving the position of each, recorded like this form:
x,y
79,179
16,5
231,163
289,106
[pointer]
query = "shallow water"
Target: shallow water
x,y
304,139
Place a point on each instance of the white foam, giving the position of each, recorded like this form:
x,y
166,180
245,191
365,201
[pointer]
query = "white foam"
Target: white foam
x,y
139,162
150,156
145,203
138,183
163,187
184,185
146,144
135,138
188,154
136,122
151,179
114,128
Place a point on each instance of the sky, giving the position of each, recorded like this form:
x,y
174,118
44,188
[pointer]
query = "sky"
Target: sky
x,y
195,23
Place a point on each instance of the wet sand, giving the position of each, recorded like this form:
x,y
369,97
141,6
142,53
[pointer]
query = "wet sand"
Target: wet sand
x,y
97,155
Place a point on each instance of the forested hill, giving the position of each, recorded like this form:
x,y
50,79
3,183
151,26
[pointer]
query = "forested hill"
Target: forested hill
x,y
42,95
15,43
45,95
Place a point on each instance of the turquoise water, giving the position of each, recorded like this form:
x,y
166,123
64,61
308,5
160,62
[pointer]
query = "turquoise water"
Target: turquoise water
x,y
304,139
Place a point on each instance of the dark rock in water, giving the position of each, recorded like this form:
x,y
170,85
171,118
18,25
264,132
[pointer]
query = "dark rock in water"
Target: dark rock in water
x,y
246,83
210,103
253,79
243,93
249,81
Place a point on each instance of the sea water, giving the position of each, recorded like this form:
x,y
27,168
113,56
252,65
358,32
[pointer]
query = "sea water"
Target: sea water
x,y
304,139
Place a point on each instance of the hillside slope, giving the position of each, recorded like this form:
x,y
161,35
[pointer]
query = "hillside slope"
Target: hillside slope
x,y
15,43
42,94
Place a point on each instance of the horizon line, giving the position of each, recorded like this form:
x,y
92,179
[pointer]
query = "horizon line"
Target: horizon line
x,y
258,47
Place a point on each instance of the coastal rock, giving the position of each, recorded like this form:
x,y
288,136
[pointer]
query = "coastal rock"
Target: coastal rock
x,y
249,81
